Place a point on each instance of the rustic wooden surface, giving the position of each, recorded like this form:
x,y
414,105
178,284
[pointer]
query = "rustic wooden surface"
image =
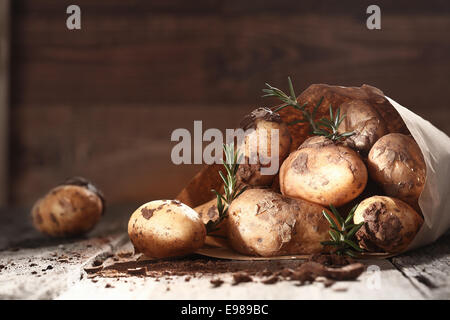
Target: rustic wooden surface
x,y
102,101
40,268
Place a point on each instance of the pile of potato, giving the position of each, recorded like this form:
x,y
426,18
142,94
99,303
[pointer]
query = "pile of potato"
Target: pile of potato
x,y
380,168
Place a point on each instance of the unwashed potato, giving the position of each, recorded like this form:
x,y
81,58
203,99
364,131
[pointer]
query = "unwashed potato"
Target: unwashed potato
x,y
365,122
371,189
166,228
389,224
264,223
208,211
257,145
323,172
71,209
396,163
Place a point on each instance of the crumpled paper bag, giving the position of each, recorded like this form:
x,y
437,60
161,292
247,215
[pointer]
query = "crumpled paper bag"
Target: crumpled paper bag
x,y
435,198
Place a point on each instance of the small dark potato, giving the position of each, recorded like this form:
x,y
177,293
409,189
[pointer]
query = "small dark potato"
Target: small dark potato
x,y
389,224
323,172
257,145
71,209
366,123
396,163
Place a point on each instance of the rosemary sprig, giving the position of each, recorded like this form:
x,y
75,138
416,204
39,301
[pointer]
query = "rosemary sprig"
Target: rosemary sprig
x,y
342,234
231,189
324,127
329,127
291,101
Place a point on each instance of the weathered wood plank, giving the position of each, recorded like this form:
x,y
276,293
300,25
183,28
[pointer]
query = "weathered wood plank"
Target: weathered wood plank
x,y
40,273
428,268
4,99
27,255
386,283
168,58
36,267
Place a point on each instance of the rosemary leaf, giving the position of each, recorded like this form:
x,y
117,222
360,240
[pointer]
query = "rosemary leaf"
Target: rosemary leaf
x,y
337,215
342,238
231,190
329,219
353,245
324,127
351,214
355,229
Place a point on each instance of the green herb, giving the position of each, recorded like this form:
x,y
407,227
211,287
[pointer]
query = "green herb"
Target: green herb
x,y
329,127
324,127
342,235
231,189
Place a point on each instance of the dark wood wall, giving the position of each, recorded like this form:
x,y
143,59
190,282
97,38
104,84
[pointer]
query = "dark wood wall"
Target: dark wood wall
x,y
102,101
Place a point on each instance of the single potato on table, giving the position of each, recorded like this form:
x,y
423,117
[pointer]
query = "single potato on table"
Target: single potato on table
x,y
264,223
71,209
166,228
389,224
323,172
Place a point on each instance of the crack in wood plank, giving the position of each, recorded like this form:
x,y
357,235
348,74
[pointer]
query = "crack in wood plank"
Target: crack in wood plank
x,y
428,268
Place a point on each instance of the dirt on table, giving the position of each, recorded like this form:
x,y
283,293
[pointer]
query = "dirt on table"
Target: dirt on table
x,y
324,267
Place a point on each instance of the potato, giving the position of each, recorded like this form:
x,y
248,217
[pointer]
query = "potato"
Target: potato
x,y
71,209
323,172
390,224
264,223
208,211
396,163
366,123
257,145
166,228
371,189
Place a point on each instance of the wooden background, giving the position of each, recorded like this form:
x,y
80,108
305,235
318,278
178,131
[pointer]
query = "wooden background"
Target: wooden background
x,y
102,101
4,99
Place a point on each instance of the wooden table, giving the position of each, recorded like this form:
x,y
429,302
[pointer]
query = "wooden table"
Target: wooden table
x,y
35,267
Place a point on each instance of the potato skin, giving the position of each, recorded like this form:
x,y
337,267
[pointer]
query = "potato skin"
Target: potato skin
x,y
256,145
323,172
389,224
208,211
67,210
396,163
264,223
366,123
166,228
